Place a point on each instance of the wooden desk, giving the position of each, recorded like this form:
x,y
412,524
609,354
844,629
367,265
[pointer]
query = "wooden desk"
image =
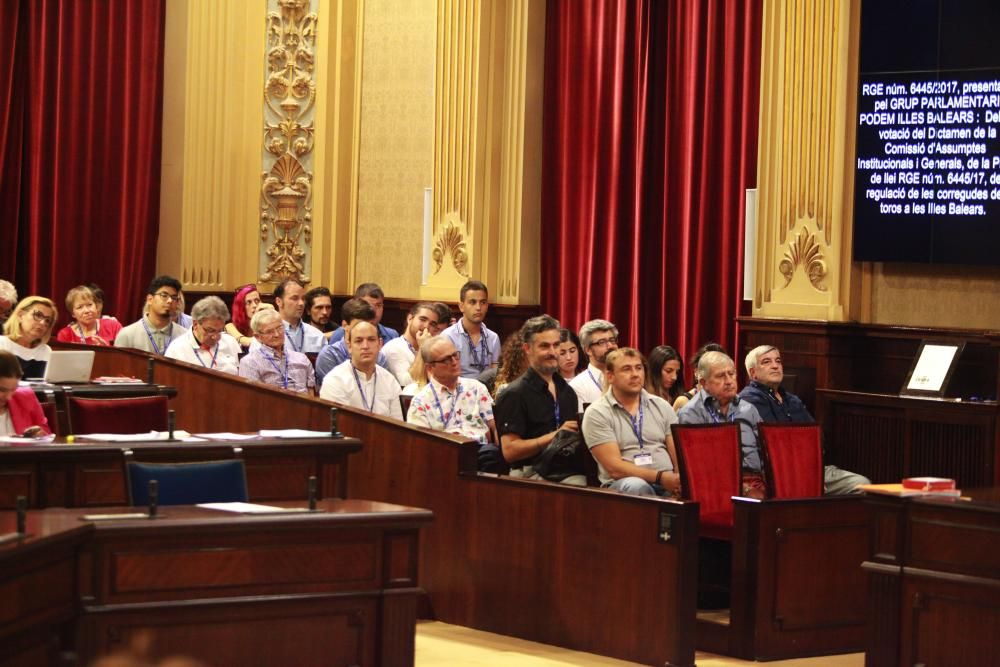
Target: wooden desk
x,y
337,587
888,437
934,580
59,394
93,474
483,564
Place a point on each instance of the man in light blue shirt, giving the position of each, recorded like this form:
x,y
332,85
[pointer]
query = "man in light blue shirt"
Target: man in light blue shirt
x,y
478,346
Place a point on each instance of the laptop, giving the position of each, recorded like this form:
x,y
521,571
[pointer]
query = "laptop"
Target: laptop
x,y
69,366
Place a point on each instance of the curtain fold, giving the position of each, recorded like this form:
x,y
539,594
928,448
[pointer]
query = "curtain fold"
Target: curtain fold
x,y
80,144
651,115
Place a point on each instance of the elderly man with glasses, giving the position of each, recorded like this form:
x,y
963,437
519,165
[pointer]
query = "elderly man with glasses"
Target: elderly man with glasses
x,y
155,331
207,344
271,362
449,402
597,338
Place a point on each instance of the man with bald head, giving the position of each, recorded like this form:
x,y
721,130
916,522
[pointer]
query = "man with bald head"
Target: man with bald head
x,y
359,381
717,402
775,404
449,402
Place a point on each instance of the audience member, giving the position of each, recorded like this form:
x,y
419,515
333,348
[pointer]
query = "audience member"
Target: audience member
x,y
332,355
445,318
775,404
359,381
319,310
402,350
375,297
569,354
682,400
20,412
665,373
8,297
27,334
716,403
207,343
597,337
537,405
99,300
513,362
270,362
418,371
290,303
449,402
479,347
154,331
245,303
628,431
88,327
179,314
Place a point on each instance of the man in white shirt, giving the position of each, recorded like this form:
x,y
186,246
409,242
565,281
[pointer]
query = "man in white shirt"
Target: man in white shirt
x,y
289,300
155,331
207,343
449,402
597,338
359,381
400,352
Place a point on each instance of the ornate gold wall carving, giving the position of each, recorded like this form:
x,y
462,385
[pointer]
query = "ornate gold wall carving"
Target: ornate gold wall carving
x,y
289,127
808,75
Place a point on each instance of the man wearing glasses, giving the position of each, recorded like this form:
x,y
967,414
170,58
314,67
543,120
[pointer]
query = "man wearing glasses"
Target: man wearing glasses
x,y
451,403
207,344
597,338
155,330
271,362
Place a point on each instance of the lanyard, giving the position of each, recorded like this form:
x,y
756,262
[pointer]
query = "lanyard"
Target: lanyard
x,y
481,360
599,386
364,399
214,355
717,418
637,425
454,404
284,375
302,336
83,334
149,335
555,402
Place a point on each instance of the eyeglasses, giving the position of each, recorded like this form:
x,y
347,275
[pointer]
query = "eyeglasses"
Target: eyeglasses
x,y
166,296
42,318
208,331
274,331
604,341
454,356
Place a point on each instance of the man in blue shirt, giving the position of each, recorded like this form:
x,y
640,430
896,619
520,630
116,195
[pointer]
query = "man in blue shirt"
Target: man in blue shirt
x,y
375,297
775,404
478,346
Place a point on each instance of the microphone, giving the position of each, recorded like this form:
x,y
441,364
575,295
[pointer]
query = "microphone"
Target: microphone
x,y
154,497
312,493
150,364
171,418
22,515
333,424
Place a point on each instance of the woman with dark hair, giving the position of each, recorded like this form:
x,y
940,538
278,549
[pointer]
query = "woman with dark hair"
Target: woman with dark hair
x,y
513,363
665,373
20,411
682,400
245,304
569,355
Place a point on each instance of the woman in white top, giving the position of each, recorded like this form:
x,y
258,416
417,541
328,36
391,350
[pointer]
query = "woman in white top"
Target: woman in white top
x,y
27,334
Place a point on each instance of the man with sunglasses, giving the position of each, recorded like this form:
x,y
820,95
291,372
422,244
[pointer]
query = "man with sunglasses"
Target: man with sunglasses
x,y
449,402
597,338
155,330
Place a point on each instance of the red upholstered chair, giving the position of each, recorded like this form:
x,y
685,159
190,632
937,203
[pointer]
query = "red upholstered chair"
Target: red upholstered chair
x,y
793,460
117,415
710,473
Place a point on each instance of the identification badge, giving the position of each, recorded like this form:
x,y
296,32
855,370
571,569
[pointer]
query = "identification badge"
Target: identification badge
x,y
643,459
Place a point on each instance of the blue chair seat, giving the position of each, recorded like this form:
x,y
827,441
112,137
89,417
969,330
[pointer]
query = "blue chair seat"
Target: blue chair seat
x,y
188,483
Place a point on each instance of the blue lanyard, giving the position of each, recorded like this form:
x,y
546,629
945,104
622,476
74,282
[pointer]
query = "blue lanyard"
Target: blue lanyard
x,y
555,402
364,399
637,425
149,335
437,401
83,335
480,362
599,385
284,375
302,336
714,414
214,355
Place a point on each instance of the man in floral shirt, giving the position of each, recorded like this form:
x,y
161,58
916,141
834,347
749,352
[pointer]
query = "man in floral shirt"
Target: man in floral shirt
x,y
451,403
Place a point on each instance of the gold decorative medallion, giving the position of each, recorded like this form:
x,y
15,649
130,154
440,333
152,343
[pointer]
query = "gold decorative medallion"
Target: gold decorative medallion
x,y
450,244
289,135
804,250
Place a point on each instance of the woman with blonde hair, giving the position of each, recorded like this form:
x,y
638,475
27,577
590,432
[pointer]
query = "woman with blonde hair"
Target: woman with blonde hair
x,y
27,334
87,327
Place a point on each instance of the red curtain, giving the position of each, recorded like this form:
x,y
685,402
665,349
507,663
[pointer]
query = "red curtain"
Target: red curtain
x,y
650,133
80,146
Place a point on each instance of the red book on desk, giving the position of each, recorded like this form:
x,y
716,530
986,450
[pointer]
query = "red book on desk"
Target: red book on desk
x,y
929,484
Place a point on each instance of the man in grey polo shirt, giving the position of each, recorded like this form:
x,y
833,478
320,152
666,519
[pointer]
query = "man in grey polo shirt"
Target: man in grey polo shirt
x,y
628,431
